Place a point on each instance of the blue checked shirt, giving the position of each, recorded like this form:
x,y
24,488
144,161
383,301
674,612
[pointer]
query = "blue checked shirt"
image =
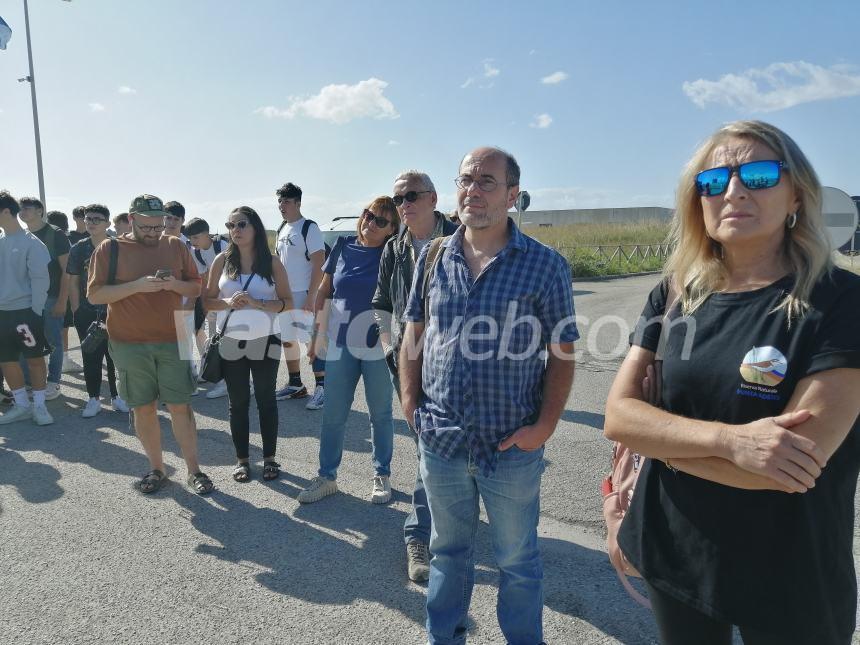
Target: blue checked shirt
x,y
484,362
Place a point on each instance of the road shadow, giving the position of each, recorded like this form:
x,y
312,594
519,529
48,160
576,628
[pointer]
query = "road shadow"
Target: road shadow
x,y
305,556
581,292
36,483
590,419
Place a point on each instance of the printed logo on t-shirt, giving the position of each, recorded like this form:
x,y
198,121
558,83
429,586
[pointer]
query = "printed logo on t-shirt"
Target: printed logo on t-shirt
x,y
764,366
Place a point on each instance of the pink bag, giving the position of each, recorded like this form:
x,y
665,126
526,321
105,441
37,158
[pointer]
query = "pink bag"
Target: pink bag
x,y
617,489
618,486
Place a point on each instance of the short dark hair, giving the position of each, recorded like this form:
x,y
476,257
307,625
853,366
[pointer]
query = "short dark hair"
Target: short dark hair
x,y
176,209
196,225
58,219
122,217
101,209
7,201
78,212
31,202
289,191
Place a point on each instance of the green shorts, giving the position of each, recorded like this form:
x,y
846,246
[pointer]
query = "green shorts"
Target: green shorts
x,y
148,372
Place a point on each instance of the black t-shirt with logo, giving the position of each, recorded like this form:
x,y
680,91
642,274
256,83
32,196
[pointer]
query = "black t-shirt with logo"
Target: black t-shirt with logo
x,y
769,560
58,245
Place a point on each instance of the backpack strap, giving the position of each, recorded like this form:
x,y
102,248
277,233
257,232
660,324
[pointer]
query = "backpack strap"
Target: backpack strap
x,y
113,259
199,255
434,256
306,226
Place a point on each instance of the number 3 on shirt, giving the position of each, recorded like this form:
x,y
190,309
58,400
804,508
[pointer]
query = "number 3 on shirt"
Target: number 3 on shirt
x,y
26,335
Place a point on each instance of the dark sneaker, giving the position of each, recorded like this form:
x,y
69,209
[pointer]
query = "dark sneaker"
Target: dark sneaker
x,y
291,392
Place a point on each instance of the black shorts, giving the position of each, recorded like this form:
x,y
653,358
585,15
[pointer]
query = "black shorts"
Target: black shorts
x,y
199,315
22,333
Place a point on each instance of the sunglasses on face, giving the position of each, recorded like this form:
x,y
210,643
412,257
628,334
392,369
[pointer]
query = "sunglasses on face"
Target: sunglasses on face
x,y
380,222
754,175
241,224
410,196
95,220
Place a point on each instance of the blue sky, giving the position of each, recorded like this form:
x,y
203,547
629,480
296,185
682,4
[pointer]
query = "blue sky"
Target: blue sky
x,y
215,103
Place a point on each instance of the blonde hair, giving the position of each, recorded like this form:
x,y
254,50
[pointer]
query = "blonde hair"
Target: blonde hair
x,y
696,263
381,207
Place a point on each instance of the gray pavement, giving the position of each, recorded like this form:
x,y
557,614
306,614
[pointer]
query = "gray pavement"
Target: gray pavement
x,y
84,558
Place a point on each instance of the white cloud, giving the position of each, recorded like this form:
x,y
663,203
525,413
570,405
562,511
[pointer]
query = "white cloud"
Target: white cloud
x,y
392,142
469,81
489,70
542,121
125,89
97,107
532,52
776,87
554,78
339,104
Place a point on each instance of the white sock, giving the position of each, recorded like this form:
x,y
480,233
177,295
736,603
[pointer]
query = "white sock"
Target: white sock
x,y
20,396
38,397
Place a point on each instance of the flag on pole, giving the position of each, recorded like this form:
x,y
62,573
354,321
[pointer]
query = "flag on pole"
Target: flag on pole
x,y
5,33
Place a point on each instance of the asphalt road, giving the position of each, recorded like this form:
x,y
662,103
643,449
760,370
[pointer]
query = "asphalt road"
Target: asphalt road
x,y
84,558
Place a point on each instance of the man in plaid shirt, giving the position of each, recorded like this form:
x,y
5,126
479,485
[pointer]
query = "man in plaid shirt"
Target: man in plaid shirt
x,y
486,394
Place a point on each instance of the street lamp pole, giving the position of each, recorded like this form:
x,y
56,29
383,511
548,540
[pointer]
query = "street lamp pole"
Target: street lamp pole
x,y
32,79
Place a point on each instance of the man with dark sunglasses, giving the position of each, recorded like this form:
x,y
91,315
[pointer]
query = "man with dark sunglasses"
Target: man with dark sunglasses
x,y
143,292
415,197
485,394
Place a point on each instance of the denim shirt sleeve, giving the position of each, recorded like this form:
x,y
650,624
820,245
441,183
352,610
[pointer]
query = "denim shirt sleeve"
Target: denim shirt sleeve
x,y
415,305
556,307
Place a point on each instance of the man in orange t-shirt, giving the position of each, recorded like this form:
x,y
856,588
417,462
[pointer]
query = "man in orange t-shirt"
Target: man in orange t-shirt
x,y
153,274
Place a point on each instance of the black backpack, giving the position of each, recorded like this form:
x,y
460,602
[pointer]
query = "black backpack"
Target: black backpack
x,y
218,242
306,226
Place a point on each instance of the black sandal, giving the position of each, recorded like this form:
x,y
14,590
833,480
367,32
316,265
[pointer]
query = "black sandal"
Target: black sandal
x,y
271,470
242,472
151,482
200,483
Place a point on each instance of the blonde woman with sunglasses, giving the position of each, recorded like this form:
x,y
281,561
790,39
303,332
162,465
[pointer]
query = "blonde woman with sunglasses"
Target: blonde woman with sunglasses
x,y
743,513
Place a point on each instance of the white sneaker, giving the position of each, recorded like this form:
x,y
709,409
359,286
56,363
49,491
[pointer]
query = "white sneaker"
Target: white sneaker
x,y
318,488
119,405
52,391
92,408
317,400
70,366
41,415
16,413
381,490
218,391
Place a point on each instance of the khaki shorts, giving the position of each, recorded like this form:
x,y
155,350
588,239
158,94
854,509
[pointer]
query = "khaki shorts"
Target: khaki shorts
x,y
148,372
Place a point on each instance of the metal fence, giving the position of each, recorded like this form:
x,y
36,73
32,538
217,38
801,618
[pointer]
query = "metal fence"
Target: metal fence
x,y
614,259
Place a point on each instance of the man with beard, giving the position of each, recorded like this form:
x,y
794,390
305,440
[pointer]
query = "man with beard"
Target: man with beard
x,y
143,287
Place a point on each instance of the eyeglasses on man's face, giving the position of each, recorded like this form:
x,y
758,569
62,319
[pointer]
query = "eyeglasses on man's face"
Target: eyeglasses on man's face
x,y
486,184
94,220
147,228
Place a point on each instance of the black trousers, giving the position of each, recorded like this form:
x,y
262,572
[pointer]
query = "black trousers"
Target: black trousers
x,y
84,317
241,360
680,624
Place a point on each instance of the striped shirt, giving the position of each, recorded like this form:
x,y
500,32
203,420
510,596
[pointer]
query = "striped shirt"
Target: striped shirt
x,y
484,358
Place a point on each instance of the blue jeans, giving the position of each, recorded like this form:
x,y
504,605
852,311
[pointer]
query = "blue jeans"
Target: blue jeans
x,y
54,336
343,370
512,498
417,524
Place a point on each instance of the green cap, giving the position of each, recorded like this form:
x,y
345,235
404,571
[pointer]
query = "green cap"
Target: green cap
x,y
147,205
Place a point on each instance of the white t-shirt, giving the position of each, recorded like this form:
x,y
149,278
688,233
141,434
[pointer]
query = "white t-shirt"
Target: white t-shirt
x,y
247,324
208,255
291,250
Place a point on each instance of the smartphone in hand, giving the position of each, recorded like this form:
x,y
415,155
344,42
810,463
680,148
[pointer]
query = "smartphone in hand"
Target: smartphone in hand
x,y
163,274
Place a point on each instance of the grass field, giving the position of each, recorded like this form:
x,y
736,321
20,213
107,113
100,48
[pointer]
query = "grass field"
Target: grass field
x,y
578,242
